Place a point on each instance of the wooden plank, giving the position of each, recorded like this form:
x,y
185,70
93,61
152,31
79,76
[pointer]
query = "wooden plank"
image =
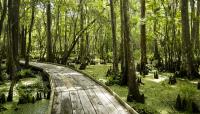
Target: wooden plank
x,y
76,103
77,94
109,106
96,102
83,82
86,104
69,82
56,104
118,106
66,107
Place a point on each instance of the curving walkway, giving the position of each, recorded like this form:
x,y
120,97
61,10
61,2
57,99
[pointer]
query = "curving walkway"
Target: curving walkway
x,y
74,93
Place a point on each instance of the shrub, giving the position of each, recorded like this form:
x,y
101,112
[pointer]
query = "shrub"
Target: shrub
x,y
2,98
2,108
110,81
172,80
25,73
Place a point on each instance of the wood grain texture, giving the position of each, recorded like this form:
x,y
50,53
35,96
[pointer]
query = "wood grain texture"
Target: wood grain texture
x,y
75,93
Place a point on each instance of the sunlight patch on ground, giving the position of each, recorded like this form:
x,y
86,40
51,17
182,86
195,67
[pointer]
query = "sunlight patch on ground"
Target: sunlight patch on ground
x,y
72,73
163,78
59,67
102,80
163,112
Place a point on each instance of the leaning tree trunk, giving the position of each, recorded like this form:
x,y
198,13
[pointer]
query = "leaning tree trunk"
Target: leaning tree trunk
x,y
113,24
143,37
133,89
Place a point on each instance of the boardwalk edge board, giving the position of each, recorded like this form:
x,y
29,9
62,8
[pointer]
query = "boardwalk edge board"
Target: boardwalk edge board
x,y
123,103
128,107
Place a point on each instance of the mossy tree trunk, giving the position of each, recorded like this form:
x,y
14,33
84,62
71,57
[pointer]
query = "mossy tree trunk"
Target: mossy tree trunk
x,y
143,59
114,42
13,9
124,61
187,52
133,89
50,57
82,54
196,45
3,15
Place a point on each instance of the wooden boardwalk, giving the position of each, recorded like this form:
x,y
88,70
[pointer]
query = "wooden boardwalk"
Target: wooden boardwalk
x,y
74,93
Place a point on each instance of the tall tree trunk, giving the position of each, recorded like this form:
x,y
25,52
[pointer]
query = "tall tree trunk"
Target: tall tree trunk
x,y
124,61
193,22
49,39
27,57
143,37
82,43
196,45
133,89
3,15
12,19
113,24
15,30
187,55
23,41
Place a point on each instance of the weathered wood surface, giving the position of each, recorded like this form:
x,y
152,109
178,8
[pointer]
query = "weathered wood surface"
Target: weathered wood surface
x,y
75,93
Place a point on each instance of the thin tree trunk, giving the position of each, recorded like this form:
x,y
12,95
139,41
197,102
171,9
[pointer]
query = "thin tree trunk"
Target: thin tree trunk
x,y
124,62
82,43
197,46
30,35
3,15
113,24
49,39
143,37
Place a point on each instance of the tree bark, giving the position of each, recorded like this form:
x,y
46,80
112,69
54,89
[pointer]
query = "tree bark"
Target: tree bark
x,y
49,39
30,35
23,41
3,15
82,43
124,62
133,89
143,37
187,54
12,19
196,45
15,30
113,24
